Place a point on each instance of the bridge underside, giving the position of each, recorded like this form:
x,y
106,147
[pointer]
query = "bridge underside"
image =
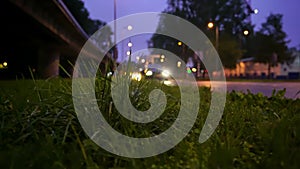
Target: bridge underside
x,y
26,45
37,37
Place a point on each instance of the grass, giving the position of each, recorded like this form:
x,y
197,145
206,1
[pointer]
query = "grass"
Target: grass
x,y
39,129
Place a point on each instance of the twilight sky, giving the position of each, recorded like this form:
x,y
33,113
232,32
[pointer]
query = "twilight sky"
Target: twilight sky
x,y
103,10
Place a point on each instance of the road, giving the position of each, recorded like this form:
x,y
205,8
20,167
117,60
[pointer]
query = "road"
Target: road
x,y
266,88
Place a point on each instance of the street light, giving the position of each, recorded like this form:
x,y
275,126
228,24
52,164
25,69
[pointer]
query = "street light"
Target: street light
x,y
162,58
178,64
129,44
210,25
115,30
129,27
246,32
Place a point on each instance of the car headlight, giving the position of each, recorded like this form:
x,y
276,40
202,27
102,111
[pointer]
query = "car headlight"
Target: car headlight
x,y
109,74
165,73
136,76
149,73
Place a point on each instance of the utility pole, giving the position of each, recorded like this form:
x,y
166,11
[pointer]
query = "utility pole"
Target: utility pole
x,y
115,52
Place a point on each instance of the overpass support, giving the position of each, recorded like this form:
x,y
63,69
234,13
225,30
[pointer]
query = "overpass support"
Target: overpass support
x,y
48,62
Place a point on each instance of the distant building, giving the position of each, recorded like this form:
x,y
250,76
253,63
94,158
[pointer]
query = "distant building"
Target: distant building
x,y
248,68
292,70
153,59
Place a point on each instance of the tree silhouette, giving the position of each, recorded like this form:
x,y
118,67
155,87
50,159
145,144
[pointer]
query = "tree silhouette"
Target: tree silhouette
x,y
230,16
271,43
81,14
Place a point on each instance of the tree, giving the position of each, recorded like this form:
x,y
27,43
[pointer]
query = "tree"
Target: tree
x,y
91,26
229,51
271,43
81,14
230,16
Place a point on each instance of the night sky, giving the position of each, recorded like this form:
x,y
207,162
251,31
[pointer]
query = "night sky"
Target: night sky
x,y
103,10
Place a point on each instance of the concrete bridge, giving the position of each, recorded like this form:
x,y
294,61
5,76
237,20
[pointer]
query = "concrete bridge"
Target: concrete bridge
x,y
39,36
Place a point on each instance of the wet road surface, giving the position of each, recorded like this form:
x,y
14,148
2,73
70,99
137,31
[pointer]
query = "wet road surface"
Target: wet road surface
x,y
266,88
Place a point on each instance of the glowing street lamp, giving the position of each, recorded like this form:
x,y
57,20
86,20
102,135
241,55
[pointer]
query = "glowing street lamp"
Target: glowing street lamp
x,y
130,44
210,25
246,32
129,27
178,64
179,43
162,58
5,64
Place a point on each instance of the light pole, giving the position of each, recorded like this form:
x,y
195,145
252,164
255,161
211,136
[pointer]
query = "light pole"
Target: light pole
x,y
128,28
115,31
130,46
210,25
129,53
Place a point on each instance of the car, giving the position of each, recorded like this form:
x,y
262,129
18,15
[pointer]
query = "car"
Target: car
x,y
159,74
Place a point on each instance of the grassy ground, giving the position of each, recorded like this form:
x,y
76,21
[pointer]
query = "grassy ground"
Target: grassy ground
x,y
39,129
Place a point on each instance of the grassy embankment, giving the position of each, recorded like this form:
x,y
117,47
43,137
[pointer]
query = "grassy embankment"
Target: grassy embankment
x,y
39,129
